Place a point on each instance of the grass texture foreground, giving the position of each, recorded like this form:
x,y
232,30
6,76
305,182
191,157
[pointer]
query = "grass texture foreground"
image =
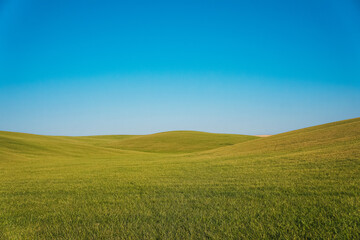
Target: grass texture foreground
x,y
182,185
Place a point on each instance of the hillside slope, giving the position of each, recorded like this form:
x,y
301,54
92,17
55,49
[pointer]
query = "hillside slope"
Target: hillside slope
x,y
332,136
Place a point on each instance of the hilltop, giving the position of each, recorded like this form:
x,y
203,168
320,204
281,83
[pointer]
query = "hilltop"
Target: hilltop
x,y
329,135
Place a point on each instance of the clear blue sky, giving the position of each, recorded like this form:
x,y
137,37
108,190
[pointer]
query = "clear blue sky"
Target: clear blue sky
x,y
137,67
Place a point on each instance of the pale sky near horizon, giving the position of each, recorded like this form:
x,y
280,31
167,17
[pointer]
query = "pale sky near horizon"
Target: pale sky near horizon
x,y
138,67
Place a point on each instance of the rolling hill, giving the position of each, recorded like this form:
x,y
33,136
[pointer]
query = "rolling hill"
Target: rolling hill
x,y
182,185
179,141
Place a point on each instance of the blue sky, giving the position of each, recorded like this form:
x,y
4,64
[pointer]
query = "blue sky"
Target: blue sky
x,y
137,67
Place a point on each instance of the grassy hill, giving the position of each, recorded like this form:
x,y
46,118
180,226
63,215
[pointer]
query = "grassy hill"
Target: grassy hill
x,y
179,141
182,185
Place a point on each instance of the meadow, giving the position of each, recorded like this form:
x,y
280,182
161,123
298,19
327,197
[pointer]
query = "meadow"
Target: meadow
x,y
302,184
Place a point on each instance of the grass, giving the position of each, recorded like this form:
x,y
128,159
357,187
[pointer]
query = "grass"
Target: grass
x,y
182,185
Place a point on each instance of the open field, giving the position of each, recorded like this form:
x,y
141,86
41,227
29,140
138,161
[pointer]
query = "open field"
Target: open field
x,y
182,185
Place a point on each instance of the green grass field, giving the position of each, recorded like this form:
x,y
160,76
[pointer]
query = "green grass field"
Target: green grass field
x,y
182,185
